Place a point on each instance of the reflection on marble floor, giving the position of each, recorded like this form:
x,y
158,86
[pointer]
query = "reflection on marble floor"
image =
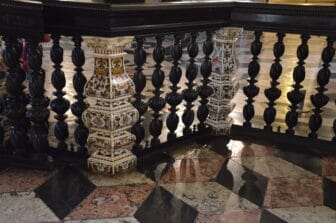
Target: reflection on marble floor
x,y
249,182
289,60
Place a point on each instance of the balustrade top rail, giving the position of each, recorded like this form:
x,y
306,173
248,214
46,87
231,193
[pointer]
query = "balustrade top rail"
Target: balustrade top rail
x,y
33,18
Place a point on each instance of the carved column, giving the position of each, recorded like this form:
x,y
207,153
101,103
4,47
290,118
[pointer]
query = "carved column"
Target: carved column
x,y
173,98
139,80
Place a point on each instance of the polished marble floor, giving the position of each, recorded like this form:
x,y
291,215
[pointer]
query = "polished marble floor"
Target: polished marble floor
x,y
242,182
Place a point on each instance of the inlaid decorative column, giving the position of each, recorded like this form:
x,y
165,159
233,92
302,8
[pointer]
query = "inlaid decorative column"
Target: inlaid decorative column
x,y
110,114
222,81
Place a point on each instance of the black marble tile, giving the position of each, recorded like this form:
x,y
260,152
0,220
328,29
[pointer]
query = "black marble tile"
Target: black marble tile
x,y
163,207
307,161
64,191
268,217
155,166
329,193
243,181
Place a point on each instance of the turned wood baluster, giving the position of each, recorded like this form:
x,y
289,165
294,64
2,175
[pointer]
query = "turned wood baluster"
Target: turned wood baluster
x,y
59,105
139,80
205,91
15,108
157,103
39,112
274,93
296,96
77,108
320,99
252,90
173,98
190,94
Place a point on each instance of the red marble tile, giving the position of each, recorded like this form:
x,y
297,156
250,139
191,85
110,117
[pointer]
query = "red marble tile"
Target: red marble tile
x,y
112,202
293,192
231,217
329,166
22,180
193,170
247,149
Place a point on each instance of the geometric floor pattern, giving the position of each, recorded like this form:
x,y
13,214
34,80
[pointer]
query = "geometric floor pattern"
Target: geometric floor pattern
x,y
243,181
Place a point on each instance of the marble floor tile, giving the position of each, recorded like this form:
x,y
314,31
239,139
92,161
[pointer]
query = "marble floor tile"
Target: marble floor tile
x,y
193,170
272,167
268,217
318,214
112,202
128,178
106,220
24,207
329,166
249,149
65,191
22,179
209,197
163,207
243,181
329,192
294,192
193,151
231,217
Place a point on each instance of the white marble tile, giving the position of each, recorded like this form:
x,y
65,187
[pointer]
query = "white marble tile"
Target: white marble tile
x,y
109,220
24,207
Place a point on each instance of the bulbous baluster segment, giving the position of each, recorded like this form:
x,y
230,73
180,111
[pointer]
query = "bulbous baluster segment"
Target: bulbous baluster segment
x,y
251,90
296,96
274,93
39,112
78,59
320,99
190,94
15,108
157,103
59,105
205,91
173,98
139,80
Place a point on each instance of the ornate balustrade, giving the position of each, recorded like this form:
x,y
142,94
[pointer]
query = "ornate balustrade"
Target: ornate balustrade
x,y
27,110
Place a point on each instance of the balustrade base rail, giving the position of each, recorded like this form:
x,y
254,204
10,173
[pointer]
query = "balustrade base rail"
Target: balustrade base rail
x,y
298,143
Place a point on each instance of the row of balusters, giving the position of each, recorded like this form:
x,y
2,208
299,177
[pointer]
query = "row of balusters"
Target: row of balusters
x,y
296,96
33,122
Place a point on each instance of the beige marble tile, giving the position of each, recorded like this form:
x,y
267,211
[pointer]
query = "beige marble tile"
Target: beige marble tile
x,y
107,220
24,207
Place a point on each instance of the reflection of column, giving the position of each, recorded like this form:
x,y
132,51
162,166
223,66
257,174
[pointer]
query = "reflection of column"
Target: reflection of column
x,y
222,82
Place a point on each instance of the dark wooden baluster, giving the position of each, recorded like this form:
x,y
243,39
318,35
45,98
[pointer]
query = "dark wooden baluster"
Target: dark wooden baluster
x,y
59,105
39,112
174,98
320,99
157,103
140,83
190,94
296,96
205,91
77,108
252,90
15,108
274,93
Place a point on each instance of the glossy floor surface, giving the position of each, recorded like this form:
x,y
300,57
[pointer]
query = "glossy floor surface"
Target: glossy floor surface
x,y
242,182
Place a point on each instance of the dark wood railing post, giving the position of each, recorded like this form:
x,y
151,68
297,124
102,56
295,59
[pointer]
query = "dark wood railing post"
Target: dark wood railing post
x,y
156,103
59,105
320,99
296,96
15,106
274,93
39,112
173,98
251,90
205,91
190,94
139,80
77,108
